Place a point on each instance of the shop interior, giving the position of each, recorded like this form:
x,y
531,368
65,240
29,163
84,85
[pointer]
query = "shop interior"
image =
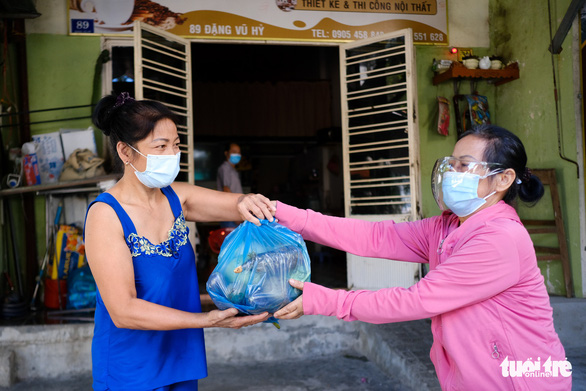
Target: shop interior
x,y
281,104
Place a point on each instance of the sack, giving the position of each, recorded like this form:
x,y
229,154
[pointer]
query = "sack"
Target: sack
x,y
82,164
69,252
81,289
254,268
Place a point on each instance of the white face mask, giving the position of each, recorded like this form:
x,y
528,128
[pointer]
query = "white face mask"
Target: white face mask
x,y
161,170
460,192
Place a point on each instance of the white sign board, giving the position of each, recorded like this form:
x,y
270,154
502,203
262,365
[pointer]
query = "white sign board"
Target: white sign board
x,y
282,20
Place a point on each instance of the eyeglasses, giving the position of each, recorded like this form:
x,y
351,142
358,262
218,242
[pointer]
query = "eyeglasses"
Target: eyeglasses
x,y
466,165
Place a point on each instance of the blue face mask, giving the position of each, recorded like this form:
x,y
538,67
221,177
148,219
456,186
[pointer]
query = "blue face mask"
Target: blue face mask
x,y
161,170
460,192
234,158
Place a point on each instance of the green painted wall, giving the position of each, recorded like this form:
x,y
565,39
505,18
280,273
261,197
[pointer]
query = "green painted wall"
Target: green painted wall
x,y
60,71
527,106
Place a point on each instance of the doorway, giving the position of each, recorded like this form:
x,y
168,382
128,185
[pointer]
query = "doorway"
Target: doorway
x,y
280,103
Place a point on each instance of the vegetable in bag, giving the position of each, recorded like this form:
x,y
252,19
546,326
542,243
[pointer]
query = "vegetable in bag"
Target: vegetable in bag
x,y
254,268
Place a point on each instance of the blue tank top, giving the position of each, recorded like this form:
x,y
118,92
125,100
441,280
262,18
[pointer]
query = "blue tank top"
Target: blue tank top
x,y
165,273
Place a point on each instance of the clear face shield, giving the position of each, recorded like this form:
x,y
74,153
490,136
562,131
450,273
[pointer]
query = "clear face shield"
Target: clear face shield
x,y
454,172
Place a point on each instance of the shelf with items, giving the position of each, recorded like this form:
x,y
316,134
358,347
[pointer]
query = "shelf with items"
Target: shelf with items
x,y
457,71
60,186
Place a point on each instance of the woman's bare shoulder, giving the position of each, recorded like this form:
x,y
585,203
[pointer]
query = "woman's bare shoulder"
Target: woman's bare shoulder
x,y
102,215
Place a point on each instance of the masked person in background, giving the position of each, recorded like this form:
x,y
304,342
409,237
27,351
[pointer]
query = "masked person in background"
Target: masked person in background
x,y
228,179
484,292
148,322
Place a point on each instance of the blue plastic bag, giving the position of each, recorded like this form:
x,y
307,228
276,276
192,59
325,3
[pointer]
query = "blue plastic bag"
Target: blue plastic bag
x,y
254,268
81,289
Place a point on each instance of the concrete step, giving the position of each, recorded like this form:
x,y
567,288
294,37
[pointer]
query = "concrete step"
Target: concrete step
x,y
399,351
42,355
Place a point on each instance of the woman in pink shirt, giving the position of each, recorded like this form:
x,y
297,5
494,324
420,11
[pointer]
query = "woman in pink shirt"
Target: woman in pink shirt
x,y
491,318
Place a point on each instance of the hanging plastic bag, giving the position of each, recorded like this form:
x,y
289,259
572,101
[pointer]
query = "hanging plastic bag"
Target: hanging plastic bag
x,y
443,122
478,110
254,268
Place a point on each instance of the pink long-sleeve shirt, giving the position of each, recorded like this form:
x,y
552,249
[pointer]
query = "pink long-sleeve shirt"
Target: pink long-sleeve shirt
x,y
484,293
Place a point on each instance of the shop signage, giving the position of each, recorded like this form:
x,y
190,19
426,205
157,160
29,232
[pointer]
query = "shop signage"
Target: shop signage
x,y
283,20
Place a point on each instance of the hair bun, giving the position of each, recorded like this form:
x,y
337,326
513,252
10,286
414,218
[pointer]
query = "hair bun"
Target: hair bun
x,y
102,115
526,177
531,189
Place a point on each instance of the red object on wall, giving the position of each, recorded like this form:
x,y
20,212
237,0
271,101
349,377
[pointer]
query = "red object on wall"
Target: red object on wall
x,y
443,123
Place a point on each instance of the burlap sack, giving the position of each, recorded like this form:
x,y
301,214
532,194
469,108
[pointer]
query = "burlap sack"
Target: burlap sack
x,y
82,164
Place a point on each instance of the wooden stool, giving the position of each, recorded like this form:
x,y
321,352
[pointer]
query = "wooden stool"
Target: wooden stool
x,y
555,226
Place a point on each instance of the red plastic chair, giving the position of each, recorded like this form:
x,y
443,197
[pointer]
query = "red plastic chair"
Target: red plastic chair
x,y
217,237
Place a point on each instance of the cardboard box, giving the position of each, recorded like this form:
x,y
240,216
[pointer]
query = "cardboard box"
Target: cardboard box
x,y
73,139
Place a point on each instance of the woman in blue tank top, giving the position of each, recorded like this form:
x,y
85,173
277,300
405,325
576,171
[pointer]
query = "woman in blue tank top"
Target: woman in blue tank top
x,y
148,324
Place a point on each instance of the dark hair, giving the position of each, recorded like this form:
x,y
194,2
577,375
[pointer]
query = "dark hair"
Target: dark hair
x,y
505,148
127,120
227,146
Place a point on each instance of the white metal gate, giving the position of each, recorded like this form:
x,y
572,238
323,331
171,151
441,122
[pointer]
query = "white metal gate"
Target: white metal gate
x,y
162,69
380,141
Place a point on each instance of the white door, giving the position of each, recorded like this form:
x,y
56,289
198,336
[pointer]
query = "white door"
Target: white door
x,y
162,69
380,142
